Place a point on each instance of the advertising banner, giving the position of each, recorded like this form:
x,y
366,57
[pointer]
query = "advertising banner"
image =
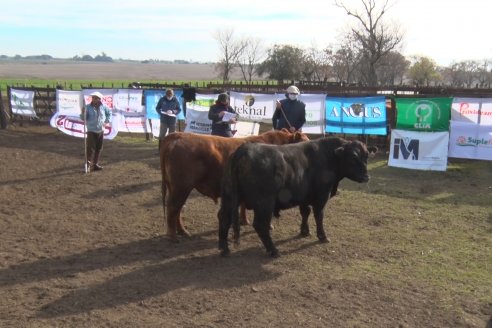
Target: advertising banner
x,y
423,114
419,150
356,115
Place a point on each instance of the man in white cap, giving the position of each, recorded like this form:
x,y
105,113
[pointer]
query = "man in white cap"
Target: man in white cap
x,y
290,113
97,116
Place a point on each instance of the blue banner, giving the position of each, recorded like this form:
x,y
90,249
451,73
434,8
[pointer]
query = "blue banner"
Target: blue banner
x,y
152,98
359,115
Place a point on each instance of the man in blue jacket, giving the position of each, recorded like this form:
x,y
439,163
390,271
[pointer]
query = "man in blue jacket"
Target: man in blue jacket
x,y
168,108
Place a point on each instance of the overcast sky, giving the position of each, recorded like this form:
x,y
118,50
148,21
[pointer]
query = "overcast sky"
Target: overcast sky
x,y
444,30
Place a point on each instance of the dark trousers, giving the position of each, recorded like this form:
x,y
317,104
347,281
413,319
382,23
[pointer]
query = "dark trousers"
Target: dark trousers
x,y
94,143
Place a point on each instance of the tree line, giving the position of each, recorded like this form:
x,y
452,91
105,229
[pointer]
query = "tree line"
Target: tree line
x,y
367,54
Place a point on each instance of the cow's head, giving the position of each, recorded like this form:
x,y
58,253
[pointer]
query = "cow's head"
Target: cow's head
x,y
352,157
295,137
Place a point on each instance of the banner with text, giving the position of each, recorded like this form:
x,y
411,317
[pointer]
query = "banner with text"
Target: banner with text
x,y
197,114
69,102
468,140
253,107
107,96
472,110
419,150
356,115
22,102
423,114
129,101
74,125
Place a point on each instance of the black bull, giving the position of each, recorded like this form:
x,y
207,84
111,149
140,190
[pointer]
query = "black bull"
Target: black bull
x,y
270,178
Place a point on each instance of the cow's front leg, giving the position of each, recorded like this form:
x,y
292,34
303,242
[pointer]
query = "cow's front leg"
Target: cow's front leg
x,y
320,231
305,211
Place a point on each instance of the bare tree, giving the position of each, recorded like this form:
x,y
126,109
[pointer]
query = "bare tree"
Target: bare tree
x,y
315,65
372,35
392,68
344,61
249,59
230,50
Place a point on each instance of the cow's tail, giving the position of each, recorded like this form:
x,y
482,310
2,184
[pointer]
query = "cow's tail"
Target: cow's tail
x,y
228,213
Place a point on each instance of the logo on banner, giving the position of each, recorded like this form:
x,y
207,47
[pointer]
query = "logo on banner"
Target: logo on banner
x,y
358,110
423,113
249,100
407,147
473,142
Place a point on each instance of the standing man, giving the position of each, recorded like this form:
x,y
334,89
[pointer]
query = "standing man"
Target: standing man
x,y
290,113
96,116
220,115
168,108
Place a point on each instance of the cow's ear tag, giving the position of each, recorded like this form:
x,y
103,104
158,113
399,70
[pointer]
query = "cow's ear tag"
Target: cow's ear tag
x,y
339,151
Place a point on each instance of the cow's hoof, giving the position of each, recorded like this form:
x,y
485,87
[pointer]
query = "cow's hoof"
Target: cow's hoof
x,y
324,239
225,253
304,234
274,254
184,233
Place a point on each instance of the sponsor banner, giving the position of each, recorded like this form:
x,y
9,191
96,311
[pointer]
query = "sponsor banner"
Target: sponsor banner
x,y
423,114
133,124
152,98
107,100
469,140
472,110
253,107
22,102
129,101
419,150
315,105
69,102
197,114
245,129
356,115
74,125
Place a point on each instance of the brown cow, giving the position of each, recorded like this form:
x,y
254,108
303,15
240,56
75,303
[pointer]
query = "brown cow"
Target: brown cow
x,y
193,161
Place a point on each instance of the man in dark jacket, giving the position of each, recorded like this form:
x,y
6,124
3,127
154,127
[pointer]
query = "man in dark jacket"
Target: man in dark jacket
x,y
222,115
168,108
290,112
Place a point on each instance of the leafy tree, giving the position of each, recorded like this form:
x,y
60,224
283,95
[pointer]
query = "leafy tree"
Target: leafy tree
x,y
284,62
424,71
392,68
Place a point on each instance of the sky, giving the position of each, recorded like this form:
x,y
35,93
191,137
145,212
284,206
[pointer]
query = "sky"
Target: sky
x,y
445,30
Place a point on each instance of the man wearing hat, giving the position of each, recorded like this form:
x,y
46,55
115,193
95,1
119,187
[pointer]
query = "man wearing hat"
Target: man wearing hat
x,y
216,113
96,116
290,113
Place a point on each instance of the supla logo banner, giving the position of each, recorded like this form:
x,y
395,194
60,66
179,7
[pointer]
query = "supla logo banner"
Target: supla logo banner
x,y
470,141
358,115
423,114
419,150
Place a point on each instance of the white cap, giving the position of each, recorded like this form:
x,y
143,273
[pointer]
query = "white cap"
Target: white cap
x,y
293,89
97,94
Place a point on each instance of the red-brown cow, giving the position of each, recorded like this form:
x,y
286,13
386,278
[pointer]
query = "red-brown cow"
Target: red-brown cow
x,y
193,161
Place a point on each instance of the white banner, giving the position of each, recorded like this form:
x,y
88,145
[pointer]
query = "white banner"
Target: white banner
x,y
22,102
467,110
253,106
129,101
134,123
419,150
197,114
245,129
468,140
197,121
69,102
74,125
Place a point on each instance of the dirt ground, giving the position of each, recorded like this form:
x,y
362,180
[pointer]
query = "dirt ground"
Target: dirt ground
x,y
83,250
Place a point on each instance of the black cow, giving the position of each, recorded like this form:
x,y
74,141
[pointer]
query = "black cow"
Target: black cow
x,y
269,178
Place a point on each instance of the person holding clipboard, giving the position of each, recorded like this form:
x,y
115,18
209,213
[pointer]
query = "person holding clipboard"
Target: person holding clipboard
x,y
222,116
168,108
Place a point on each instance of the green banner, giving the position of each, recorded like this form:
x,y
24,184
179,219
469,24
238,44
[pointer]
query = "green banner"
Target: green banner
x,y
423,114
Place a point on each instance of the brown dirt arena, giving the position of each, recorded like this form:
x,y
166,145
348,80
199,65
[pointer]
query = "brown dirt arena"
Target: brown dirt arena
x,y
83,250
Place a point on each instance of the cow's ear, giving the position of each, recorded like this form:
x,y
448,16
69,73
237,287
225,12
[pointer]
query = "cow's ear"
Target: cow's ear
x,y
339,151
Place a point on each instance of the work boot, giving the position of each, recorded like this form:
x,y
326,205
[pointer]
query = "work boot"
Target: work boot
x,y
97,167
